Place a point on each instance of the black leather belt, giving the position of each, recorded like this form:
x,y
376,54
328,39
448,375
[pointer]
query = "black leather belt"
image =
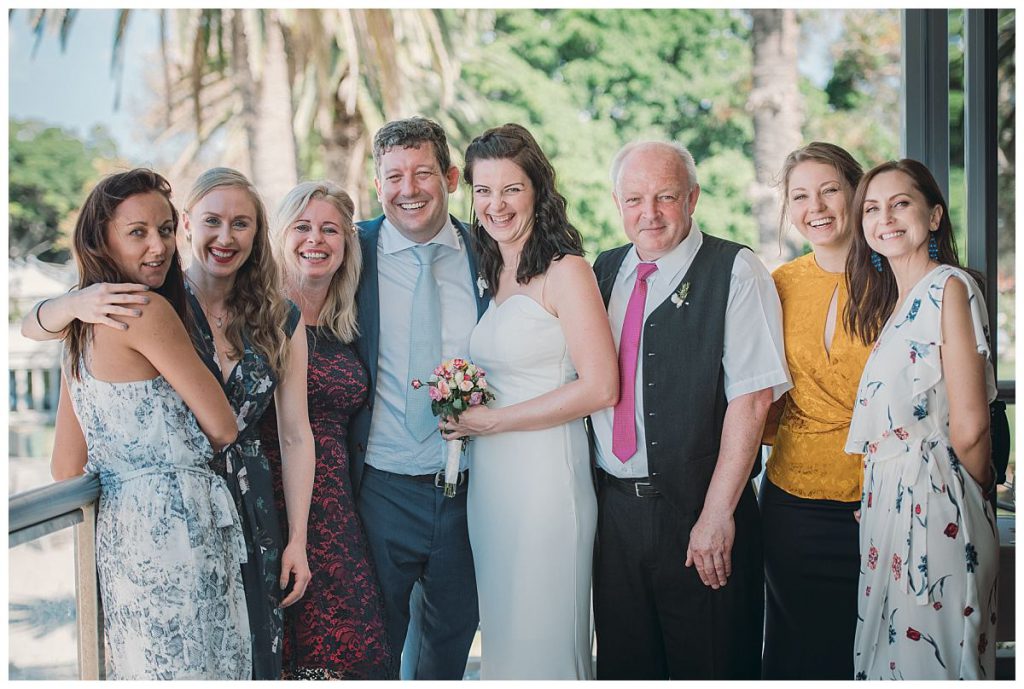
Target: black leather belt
x,y
637,487
437,478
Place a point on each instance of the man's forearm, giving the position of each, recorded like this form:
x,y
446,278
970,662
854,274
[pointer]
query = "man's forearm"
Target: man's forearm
x,y
741,437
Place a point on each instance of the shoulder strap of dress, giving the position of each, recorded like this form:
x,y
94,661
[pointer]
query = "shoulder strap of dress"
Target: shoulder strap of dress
x,y
294,316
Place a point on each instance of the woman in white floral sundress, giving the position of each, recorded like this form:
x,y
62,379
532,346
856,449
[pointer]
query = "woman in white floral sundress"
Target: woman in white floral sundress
x,y
140,409
928,540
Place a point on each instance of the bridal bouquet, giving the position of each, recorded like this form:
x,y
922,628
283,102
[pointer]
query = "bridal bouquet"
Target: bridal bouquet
x,y
455,386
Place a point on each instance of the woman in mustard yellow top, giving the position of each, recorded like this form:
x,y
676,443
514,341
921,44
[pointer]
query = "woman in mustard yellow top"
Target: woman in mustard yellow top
x,y
812,487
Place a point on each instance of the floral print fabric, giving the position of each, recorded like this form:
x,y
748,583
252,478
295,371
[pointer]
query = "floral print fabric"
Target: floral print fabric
x,y
250,390
929,545
168,538
337,630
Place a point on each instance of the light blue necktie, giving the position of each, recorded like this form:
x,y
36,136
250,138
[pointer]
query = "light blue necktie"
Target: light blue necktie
x,y
424,343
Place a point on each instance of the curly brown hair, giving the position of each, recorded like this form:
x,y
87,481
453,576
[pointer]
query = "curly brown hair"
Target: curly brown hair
x,y
553,236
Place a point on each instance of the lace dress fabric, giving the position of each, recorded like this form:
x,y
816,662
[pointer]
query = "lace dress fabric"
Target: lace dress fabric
x,y
336,631
168,538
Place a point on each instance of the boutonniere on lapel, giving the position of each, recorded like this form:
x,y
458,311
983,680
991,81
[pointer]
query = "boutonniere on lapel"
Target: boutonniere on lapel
x,y
679,296
481,284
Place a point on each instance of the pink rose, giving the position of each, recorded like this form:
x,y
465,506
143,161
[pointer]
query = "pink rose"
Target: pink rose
x,y
435,395
439,371
442,387
482,382
476,398
416,384
466,385
459,363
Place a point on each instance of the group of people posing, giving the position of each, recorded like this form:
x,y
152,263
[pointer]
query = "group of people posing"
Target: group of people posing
x,y
273,499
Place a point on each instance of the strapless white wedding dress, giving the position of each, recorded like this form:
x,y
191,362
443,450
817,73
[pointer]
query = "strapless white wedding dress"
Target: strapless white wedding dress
x,y
532,511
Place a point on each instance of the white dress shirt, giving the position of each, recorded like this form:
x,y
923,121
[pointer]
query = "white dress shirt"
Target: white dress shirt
x,y
390,447
754,357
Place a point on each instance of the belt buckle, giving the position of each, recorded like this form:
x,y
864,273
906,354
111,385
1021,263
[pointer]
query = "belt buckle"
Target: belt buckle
x,y
636,487
459,480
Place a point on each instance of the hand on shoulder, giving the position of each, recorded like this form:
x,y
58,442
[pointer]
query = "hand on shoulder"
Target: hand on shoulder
x,y
109,303
156,321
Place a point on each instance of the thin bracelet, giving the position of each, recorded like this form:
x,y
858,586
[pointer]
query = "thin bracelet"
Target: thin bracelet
x,y
40,323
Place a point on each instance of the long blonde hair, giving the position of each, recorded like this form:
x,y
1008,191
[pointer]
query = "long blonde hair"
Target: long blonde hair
x,y
256,299
338,314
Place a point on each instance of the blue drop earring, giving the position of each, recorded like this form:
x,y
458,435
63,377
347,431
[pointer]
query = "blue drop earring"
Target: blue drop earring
x,y
876,261
933,247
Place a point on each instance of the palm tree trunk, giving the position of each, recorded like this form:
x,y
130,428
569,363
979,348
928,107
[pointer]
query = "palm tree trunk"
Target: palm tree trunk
x,y
344,154
777,108
275,168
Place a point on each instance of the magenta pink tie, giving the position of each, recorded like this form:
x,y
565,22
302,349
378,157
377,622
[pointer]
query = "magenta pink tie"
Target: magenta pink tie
x,y
624,425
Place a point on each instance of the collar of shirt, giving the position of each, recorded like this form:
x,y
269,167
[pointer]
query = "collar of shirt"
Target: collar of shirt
x,y
392,241
671,266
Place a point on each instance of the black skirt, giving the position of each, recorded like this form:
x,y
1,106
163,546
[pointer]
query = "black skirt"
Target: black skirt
x,y
811,563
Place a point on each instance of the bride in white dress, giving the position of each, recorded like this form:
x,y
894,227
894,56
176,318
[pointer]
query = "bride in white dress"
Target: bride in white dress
x,y
547,348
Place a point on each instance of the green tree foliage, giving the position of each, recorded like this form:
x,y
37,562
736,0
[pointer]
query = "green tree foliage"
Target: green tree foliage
x,y
49,170
587,81
858,108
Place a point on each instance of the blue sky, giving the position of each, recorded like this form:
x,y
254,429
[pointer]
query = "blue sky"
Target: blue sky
x,y
74,88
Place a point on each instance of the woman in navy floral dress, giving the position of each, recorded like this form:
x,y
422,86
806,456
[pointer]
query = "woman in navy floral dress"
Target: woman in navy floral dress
x,y
247,334
928,542
337,630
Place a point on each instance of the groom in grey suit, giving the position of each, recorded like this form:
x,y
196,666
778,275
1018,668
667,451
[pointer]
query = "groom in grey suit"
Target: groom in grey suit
x,y
417,536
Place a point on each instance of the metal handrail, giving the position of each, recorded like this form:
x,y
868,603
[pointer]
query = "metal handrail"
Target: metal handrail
x,y
41,511
30,513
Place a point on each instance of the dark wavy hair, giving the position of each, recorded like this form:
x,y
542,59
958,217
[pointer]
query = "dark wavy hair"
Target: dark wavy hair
x,y
92,251
553,236
873,294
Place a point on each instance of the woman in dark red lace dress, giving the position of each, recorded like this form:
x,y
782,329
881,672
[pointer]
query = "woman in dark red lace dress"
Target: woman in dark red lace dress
x,y
337,630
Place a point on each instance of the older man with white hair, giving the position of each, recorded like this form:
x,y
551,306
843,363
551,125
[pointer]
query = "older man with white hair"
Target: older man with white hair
x,y
678,576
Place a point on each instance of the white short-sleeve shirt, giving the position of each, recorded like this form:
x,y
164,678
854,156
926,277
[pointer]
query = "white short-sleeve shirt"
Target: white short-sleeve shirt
x,y
754,356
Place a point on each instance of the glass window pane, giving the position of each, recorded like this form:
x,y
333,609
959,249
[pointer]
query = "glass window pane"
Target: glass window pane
x,y
1006,195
